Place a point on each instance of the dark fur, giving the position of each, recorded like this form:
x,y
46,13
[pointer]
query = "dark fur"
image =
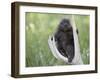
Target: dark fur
x,y
65,40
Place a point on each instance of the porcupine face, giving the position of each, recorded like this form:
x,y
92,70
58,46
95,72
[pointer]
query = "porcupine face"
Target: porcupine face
x,y
65,39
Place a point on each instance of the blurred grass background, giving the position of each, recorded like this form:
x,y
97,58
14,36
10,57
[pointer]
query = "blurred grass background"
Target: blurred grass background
x,y
38,28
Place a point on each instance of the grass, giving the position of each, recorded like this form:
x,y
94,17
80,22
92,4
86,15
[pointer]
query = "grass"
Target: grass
x,y
39,27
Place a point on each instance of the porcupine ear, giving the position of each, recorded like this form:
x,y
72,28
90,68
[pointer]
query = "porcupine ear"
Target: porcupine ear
x,y
77,31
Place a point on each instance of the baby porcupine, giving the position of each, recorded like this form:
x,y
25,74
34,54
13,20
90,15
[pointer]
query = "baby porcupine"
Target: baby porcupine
x,y
65,39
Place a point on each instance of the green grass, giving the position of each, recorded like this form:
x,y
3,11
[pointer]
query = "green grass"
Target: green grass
x,y
39,27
